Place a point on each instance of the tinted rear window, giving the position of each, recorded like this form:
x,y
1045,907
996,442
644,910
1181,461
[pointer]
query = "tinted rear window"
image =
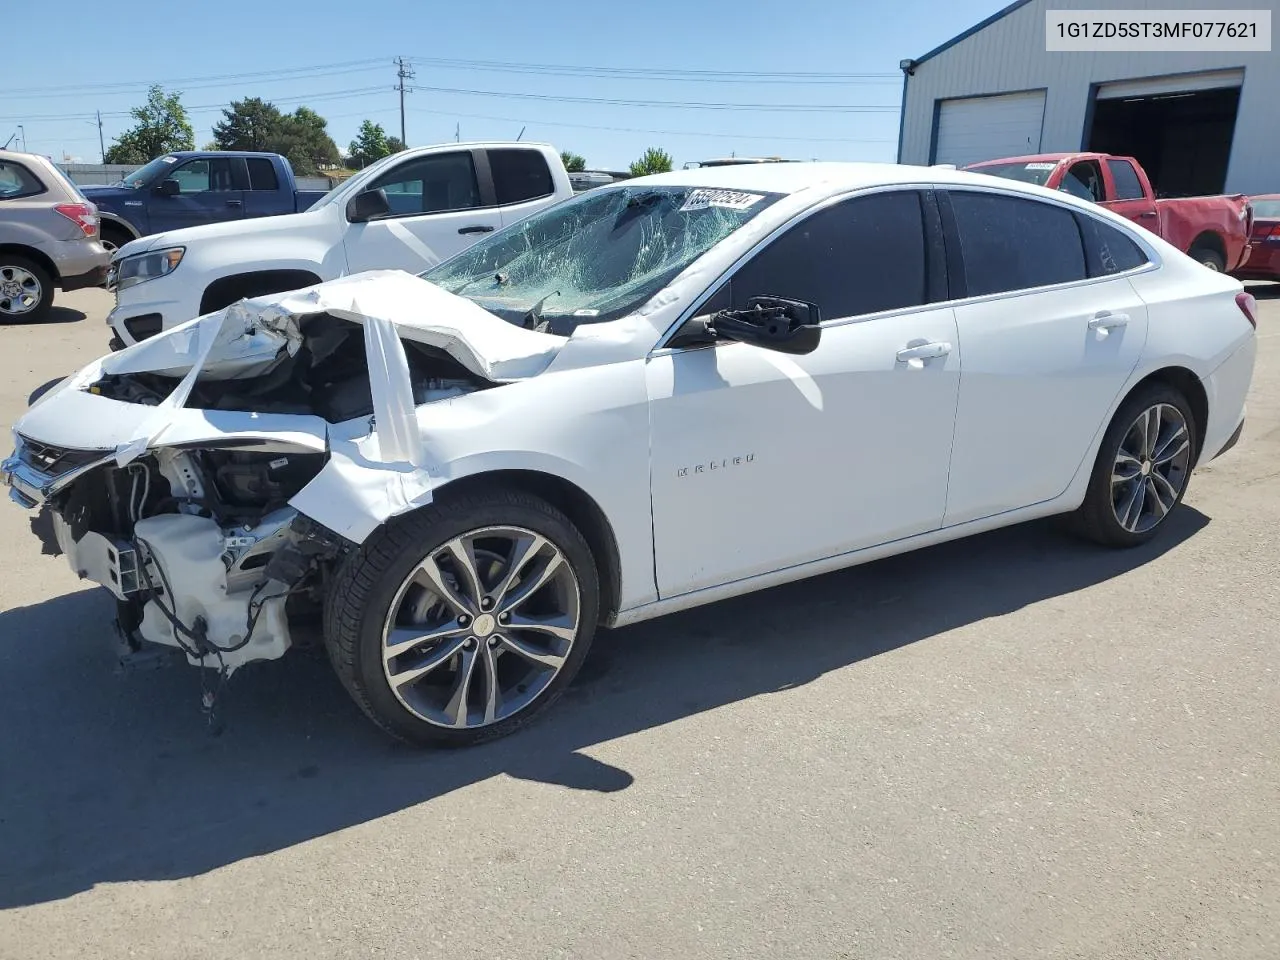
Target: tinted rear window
x,y
1266,209
520,175
1107,249
262,174
1014,244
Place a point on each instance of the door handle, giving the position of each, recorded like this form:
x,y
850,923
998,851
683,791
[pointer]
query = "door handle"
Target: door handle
x,y
233,203
1108,321
475,228
915,356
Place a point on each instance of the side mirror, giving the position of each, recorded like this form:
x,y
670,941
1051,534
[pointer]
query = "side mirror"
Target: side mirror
x,y
368,205
788,326
168,188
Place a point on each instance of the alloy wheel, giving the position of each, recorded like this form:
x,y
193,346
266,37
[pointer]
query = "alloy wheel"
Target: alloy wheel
x,y
20,291
481,627
1151,468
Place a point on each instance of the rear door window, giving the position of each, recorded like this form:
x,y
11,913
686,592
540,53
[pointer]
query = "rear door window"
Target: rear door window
x,y
520,175
861,256
1128,186
17,181
262,174
1011,243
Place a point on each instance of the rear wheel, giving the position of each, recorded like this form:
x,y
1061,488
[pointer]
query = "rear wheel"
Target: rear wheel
x,y
462,621
1208,258
26,289
1142,468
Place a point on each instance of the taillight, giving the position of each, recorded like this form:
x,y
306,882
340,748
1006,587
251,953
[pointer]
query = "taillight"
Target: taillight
x,y
1266,231
1249,307
83,215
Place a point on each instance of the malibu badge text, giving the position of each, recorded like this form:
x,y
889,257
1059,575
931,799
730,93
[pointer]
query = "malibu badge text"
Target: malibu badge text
x,y
724,463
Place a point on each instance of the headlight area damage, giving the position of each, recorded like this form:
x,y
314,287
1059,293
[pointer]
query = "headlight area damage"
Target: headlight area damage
x,y
202,476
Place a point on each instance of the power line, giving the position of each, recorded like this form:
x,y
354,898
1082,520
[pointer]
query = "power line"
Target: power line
x,y
285,73
677,104
665,133
137,88
657,73
201,108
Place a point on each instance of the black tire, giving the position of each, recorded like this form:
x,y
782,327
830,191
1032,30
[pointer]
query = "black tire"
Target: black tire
x,y
1096,519
360,598
114,237
11,262
1209,258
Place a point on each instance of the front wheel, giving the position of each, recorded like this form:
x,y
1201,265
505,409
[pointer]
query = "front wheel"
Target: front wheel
x,y
1142,468
462,621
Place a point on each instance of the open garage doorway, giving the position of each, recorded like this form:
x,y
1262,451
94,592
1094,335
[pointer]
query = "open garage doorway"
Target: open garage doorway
x,y
1179,128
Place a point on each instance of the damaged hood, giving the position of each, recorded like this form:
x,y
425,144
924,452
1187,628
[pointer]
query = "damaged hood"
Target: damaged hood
x,y
248,337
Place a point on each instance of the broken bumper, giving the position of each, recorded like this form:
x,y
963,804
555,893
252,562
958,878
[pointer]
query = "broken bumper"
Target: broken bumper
x,y
35,471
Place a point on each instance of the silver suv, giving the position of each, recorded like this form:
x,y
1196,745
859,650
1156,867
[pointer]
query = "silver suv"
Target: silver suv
x,y
48,236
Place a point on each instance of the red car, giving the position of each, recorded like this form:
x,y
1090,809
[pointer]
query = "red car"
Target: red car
x,y
1213,230
1264,261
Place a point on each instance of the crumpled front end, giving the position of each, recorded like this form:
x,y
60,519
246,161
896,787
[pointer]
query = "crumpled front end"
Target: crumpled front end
x,y
177,471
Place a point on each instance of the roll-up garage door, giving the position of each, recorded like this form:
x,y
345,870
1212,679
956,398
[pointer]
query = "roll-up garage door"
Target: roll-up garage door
x,y
985,128
1171,85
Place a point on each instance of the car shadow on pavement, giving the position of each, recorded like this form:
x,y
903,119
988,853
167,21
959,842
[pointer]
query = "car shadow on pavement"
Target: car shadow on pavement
x,y
55,315
1264,291
108,777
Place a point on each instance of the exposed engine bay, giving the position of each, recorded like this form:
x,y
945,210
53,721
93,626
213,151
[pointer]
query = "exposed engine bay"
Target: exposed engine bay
x,y
328,376
210,431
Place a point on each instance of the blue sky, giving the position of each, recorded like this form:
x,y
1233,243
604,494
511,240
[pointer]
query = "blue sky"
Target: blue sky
x,y
339,61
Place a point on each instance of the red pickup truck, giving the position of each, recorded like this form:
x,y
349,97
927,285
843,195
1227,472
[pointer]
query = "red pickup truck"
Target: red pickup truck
x,y
1213,230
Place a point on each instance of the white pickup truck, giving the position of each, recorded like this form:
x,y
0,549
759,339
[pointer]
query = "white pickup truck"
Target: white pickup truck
x,y
408,211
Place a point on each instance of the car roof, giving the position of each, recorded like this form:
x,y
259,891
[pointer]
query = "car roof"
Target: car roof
x,y
824,177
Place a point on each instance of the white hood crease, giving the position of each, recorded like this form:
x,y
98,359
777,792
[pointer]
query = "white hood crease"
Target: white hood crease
x,y
250,337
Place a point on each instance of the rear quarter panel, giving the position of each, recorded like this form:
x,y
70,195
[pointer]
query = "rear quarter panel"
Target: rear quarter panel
x,y
1183,220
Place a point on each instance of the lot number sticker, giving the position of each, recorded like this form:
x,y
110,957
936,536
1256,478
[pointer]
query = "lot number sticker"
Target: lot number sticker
x,y
727,199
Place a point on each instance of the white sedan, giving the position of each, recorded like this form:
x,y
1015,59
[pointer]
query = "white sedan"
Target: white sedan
x,y
651,396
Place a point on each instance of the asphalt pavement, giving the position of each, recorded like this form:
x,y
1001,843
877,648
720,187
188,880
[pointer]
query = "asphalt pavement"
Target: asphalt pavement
x,y
1016,746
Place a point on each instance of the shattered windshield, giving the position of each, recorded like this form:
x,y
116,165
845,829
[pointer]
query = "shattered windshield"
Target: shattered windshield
x,y
596,257
143,175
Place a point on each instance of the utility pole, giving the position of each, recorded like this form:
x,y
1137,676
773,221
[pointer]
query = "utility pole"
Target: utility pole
x,y
457,132
405,72
101,145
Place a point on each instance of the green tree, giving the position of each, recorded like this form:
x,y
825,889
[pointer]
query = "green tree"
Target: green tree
x,y
249,124
395,145
161,127
573,162
369,145
654,160
301,137
306,142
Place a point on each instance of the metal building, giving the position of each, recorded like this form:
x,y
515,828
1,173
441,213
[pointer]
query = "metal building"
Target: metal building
x,y
1198,122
